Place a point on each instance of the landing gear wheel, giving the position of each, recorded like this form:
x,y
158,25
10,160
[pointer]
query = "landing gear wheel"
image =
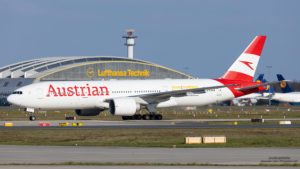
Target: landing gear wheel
x,y
158,117
137,117
152,116
32,118
146,117
134,117
125,118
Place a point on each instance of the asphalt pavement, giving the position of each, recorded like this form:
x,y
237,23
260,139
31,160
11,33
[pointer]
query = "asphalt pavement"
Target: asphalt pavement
x,y
131,167
90,154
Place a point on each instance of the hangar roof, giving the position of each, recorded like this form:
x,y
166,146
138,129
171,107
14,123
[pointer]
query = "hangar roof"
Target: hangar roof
x,y
34,67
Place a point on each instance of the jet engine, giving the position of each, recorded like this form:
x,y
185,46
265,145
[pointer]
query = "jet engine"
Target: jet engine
x,y
88,112
123,106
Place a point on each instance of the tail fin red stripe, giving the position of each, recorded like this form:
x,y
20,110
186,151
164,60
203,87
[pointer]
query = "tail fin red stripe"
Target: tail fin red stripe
x,y
256,46
237,76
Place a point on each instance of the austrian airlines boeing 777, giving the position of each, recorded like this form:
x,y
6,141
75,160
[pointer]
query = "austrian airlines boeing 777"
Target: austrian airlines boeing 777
x,y
126,97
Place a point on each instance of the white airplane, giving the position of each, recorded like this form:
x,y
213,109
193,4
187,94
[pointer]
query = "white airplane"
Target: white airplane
x,y
250,99
291,98
126,97
288,95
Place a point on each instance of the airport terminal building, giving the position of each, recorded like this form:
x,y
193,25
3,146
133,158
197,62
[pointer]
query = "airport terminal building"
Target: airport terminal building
x,y
83,68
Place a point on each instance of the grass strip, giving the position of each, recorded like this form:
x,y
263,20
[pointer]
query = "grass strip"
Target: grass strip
x,y
236,137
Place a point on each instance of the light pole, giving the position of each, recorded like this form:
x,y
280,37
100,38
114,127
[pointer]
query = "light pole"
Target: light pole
x,y
269,68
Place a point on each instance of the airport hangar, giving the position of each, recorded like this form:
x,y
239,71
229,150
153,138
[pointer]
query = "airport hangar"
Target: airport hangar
x,y
83,68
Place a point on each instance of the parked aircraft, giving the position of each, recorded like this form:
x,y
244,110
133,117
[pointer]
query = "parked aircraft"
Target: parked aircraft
x,y
126,97
288,94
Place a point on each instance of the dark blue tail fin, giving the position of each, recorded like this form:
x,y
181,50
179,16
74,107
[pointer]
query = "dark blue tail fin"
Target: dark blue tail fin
x,y
260,78
284,85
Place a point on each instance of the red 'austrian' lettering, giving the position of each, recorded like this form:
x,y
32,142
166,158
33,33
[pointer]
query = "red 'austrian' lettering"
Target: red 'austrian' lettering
x,y
77,91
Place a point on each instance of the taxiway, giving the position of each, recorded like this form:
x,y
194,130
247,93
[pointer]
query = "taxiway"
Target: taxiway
x,y
230,156
142,124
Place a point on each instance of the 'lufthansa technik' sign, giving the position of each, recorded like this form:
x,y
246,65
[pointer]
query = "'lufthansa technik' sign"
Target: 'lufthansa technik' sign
x,y
90,72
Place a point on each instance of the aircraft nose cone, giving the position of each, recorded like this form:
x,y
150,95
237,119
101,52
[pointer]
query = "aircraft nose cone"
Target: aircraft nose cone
x,y
12,99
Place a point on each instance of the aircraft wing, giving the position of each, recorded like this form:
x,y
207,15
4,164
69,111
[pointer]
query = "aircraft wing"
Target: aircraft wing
x,y
178,93
161,96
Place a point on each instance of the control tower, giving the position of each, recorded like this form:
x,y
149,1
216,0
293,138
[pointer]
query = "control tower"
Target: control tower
x,y
129,42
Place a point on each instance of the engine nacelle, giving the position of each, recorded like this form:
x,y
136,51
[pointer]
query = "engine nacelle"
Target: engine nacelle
x,y
123,107
88,112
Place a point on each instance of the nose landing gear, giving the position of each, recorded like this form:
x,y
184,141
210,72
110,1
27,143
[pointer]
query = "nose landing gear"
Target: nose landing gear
x,y
32,118
31,114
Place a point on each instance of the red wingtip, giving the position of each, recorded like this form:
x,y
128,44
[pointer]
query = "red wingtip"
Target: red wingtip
x,y
256,46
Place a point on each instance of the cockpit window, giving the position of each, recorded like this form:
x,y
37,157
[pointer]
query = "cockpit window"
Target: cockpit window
x,y
17,92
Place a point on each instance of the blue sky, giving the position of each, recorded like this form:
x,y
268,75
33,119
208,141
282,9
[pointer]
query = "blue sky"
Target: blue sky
x,y
198,37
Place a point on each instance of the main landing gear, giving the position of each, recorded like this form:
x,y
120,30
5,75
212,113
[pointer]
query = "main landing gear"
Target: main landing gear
x,y
151,116
143,117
